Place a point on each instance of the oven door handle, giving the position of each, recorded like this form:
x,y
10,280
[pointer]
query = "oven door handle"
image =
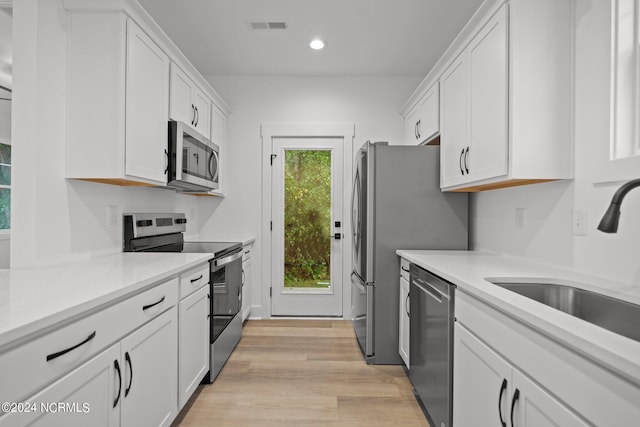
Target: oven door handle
x,y
226,260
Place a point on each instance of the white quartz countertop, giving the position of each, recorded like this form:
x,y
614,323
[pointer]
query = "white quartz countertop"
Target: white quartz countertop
x,y
33,299
468,270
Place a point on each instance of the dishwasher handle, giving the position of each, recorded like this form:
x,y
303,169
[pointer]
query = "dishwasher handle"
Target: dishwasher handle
x,y
426,287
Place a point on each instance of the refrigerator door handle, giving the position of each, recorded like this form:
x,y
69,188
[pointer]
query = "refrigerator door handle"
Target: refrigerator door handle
x,y
370,287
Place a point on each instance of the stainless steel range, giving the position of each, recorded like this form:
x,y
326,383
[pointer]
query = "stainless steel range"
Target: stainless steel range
x,y
153,232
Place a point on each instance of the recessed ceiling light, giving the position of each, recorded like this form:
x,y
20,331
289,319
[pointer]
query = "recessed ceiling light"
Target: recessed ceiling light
x,y
317,44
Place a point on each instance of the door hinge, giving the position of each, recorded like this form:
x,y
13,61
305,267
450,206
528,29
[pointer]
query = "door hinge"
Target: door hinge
x,y
270,225
273,156
270,292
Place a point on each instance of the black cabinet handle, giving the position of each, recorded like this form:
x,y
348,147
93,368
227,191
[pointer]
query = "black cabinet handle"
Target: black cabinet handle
x,y
117,367
146,307
196,279
503,388
460,161
404,269
419,122
514,400
166,169
406,305
67,350
197,116
127,359
193,114
466,155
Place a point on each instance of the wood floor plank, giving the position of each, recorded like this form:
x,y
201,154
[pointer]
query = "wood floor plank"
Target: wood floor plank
x,y
288,372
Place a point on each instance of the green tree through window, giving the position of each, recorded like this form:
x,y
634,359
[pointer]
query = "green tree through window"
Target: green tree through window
x,y
307,218
5,186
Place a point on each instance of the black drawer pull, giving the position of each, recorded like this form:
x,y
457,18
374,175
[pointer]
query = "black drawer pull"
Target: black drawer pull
x,y
195,280
127,359
503,388
65,351
117,367
146,307
514,400
404,269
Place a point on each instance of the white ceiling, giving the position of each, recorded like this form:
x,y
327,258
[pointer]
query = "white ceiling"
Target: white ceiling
x,y
364,37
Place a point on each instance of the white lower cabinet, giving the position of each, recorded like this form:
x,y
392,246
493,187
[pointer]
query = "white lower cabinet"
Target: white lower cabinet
x,y
150,377
193,348
132,383
489,391
90,395
247,277
507,373
403,332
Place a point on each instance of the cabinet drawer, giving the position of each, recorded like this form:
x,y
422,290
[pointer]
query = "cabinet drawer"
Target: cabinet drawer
x,y
246,252
404,268
193,280
40,361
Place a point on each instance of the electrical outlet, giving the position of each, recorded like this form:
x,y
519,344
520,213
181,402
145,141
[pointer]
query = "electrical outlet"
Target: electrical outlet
x,y
580,223
520,218
112,215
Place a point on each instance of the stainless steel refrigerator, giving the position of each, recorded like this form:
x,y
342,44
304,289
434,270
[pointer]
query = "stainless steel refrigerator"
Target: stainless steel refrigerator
x,y
396,204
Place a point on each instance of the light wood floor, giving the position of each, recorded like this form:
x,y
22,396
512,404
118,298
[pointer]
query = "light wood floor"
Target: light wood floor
x,y
303,373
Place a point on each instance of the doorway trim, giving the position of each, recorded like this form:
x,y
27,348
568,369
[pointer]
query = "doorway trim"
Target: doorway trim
x,y
269,131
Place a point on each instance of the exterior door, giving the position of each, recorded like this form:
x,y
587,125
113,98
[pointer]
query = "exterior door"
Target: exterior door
x,y
307,227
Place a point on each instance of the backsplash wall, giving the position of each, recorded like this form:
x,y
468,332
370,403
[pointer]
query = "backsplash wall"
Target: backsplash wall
x,y
547,236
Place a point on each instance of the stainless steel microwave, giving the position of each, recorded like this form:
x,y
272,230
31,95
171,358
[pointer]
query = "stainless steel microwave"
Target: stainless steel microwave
x,y
194,161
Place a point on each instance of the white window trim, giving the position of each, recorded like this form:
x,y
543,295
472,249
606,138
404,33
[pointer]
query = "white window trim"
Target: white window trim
x,y
623,130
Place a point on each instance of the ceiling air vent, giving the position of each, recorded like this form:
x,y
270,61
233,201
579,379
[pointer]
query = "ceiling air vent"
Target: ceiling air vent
x,y
268,25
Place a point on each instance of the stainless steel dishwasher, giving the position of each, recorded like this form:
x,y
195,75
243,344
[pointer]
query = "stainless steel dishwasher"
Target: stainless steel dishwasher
x,y
431,344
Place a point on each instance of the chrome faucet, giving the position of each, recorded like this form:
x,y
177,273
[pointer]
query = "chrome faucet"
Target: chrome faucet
x,y
609,222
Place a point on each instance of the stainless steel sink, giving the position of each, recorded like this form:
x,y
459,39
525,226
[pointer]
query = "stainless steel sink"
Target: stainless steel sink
x,y
612,314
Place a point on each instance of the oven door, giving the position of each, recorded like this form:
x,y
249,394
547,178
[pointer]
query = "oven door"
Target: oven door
x,y
226,284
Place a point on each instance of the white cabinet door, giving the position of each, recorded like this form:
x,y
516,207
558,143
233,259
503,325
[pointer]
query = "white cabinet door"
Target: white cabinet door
x,y
181,105
453,121
480,382
488,117
150,384
411,127
531,406
246,289
90,396
147,107
193,353
202,105
429,121
403,332
489,391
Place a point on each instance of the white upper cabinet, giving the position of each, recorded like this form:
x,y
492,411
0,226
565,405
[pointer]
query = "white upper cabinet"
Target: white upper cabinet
x,y
505,98
147,80
127,79
517,85
118,102
474,103
189,104
454,122
423,122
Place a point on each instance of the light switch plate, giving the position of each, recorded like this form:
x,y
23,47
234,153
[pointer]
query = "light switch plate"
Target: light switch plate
x,y
520,217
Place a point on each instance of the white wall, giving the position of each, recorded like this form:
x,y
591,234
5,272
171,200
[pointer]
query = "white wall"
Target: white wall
x,y
547,236
371,103
55,220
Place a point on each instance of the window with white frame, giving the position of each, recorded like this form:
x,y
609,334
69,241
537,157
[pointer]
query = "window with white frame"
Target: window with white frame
x,y
625,82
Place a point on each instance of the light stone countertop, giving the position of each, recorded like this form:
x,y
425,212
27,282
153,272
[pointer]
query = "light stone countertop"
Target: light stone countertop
x,y
469,269
33,299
